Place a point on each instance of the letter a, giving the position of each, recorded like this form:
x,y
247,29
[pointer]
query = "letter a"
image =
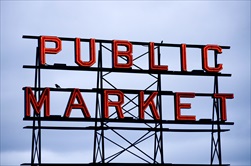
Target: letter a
x,y
81,104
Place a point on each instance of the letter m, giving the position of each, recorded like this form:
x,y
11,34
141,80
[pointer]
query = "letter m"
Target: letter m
x,y
30,99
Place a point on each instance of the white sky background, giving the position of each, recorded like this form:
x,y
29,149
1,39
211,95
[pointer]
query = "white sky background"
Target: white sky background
x,y
191,22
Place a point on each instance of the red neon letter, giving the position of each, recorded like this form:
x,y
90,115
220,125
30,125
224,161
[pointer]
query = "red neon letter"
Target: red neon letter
x,y
116,104
183,58
152,66
127,54
223,98
30,99
78,53
44,50
179,105
205,58
75,94
149,102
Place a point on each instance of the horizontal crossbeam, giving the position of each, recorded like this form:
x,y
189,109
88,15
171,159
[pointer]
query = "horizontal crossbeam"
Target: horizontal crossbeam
x,y
118,164
121,70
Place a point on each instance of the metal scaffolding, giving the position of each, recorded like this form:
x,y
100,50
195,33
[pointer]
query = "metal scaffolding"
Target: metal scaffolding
x,y
151,128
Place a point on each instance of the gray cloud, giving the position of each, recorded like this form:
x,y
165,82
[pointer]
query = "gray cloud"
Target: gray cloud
x,y
223,23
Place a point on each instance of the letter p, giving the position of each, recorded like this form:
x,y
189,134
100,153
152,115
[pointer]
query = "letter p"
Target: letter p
x,y
44,50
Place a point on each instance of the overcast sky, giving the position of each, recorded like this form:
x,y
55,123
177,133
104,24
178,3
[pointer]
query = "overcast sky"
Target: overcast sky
x,y
192,22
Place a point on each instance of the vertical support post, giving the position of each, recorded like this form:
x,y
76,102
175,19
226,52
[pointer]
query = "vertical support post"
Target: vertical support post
x,y
36,127
97,111
216,137
98,147
158,141
102,104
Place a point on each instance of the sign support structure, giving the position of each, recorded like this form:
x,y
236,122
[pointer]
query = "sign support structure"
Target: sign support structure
x,y
36,124
216,137
152,129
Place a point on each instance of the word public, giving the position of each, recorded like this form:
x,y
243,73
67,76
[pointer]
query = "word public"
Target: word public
x,y
128,54
76,100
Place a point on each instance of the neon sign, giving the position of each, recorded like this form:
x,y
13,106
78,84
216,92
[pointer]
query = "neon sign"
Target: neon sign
x,y
128,54
143,104
146,109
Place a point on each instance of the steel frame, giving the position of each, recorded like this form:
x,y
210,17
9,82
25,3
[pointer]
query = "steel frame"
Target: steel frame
x,y
36,132
216,136
153,129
